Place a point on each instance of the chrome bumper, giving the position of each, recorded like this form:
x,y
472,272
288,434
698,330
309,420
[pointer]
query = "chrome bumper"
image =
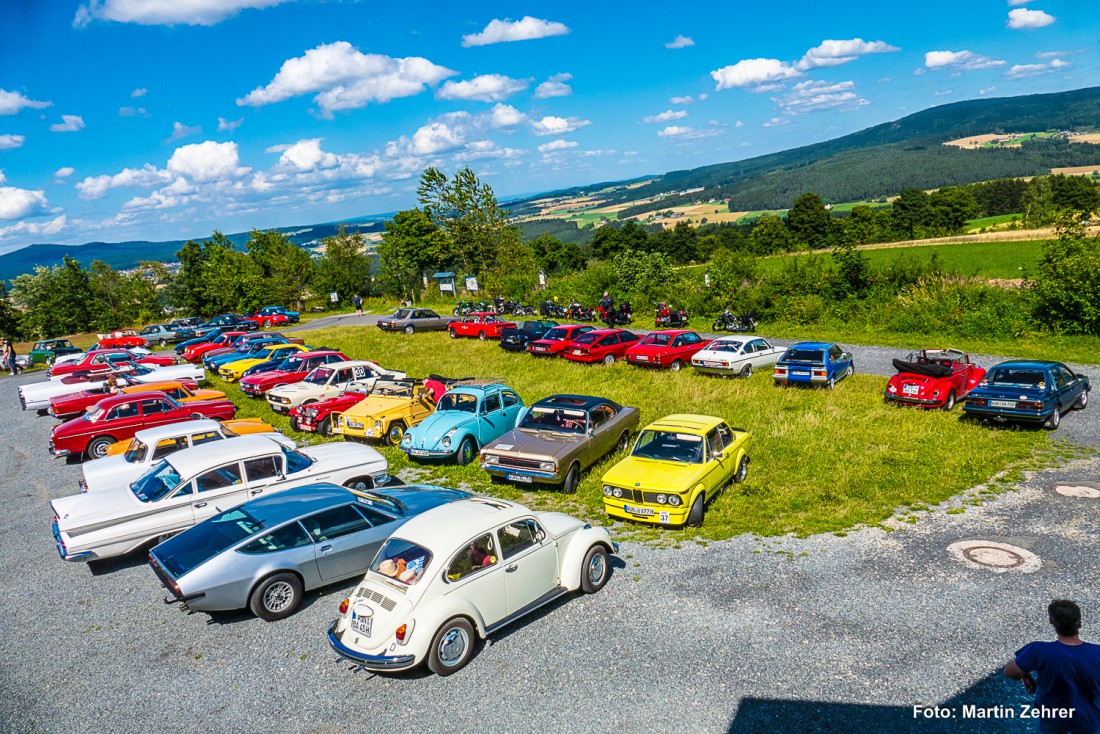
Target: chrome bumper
x,y
65,555
370,662
58,453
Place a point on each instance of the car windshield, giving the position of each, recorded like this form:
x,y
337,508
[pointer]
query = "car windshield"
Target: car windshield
x,y
556,335
555,419
157,483
401,313
685,448
188,550
319,376
1016,376
402,561
137,452
393,389
725,346
816,356
661,340
460,401
93,414
293,364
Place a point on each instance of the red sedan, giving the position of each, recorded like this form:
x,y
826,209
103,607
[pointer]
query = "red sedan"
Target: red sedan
x,y
67,406
195,352
670,349
102,361
482,324
933,378
294,370
557,340
601,345
119,417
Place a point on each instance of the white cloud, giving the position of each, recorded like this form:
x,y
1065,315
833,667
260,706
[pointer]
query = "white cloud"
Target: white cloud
x,y
1025,19
959,60
703,96
551,125
69,124
555,86
834,53
942,92
503,115
814,96
483,88
776,122
673,131
132,112
64,172
3,178
1019,2
139,92
987,90
686,99
1022,71
207,161
525,29
19,203
1055,54
225,125
179,130
306,155
53,226
165,12
556,145
753,73
666,116
437,137
96,187
12,102
9,141
680,42
485,149
347,79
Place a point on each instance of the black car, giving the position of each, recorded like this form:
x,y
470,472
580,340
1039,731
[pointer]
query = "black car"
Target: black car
x,y
516,340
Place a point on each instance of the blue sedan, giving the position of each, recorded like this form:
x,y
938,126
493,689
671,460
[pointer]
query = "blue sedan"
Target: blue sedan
x,y
813,363
1028,391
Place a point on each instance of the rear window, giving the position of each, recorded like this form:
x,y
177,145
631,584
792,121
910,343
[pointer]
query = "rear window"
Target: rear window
x,y
661,340
586,338
816,356
401,561
1016,376
199,544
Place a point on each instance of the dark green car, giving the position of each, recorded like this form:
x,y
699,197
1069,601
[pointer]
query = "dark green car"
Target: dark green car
x,y
46,351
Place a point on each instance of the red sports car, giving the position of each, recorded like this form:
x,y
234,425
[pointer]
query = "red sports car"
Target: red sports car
x,y
294,370
104,361
557,340
601,345
482,324
195,352
125,339
670,349
119,417
317,417
933,378
267,320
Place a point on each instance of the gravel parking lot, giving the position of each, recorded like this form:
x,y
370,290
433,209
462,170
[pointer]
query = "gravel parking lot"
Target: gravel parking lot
x,y
825,633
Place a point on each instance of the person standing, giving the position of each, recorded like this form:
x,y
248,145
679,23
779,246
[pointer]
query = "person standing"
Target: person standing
x,y
1067,691
4,354
358,301
9,350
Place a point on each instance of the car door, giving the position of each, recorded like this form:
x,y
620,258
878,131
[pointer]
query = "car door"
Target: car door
x,y
341,538
530,559
262,472
512,406
836,366
601,440
157,412
1075,385
218,489
627,339
718,461
176,512
492,423
476,575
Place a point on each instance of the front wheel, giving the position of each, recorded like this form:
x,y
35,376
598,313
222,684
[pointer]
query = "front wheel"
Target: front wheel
x,y
395,433
276,597
482,335
1082,401
360,484
719,325
851,369
595,570
163,343
572,479
695,515
465,453
324,428
742,470
452,647
453,333
624,442
294,423
97,447
454,311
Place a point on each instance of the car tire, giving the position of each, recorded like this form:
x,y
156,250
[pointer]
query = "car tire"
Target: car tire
x,y
1082,401
609,360
324,428
949,401
452,647
360,484
1052,423
97,447
276,597
294,423
454,311
482,335
395,433
595,570
410,329
453,333
831,383
851,369
572,479
163,343
623,443
746,371
696,513
742,472
465,453
676,365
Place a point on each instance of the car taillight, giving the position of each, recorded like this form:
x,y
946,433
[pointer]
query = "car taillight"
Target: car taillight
x,y
819,373
344,606
400,633
1030,405
780,370
978,402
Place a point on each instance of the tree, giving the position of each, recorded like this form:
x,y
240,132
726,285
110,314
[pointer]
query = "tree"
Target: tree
x,y
409,247
681,243
853,271
809,222
729,271
555,257
859,226
55,301
643,273
1074,193
343,268
188,291
1067,288
287,269
769,236
951,208
468,212
515,273
911,211
605,242
233,281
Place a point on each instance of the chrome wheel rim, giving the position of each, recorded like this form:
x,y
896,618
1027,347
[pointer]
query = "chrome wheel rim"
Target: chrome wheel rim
x,y
452,646
624,442
360,486
278,597
609,360
742,470
99,450
596,569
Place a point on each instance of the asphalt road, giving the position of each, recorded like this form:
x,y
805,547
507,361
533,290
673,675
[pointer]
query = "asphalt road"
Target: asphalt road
x,y
819,634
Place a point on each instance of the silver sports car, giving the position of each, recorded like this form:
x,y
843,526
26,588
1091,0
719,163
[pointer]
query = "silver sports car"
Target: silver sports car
x,y
264,554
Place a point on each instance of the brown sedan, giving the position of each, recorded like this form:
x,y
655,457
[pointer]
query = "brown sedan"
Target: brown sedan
x,y
412,320
559,437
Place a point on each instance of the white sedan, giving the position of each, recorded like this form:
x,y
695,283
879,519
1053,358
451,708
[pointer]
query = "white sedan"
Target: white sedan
x,y
37,396
151,445
460,572
328,381
191,485
736,355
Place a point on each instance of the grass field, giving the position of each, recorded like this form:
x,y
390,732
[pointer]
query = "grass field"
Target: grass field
x,y
975,224
821,461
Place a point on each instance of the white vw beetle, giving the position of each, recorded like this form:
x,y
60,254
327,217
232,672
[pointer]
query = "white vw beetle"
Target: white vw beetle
x,y
460,572
193,484
151,445
736,355
328,381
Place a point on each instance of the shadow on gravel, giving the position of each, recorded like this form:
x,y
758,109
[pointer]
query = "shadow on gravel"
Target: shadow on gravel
x,y
119,563
992,695
326,594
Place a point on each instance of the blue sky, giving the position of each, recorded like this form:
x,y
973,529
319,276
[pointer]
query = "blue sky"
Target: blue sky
x,y
167,119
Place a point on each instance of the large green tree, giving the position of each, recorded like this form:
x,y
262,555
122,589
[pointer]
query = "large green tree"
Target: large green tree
x,y
1067,288
769,236
910,211
411,245
468,212
287,269
344,268
951,207
809,222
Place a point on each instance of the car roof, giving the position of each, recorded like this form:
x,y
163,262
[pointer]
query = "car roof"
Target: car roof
x,y
214,453
352,363
1037,364
171,430
484,313
686,423
442,529
602,332
735,338
811,345
572,402
317,353
478,388
672,332
114,400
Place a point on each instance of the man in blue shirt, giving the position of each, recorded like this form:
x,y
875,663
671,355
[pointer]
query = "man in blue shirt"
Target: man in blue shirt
x,y
1067,693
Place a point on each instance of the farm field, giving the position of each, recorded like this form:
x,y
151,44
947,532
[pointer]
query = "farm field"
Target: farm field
x,y
986,222
821,461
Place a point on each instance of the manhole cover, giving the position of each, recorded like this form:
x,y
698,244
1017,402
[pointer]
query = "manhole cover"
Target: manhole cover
x,y
1077,490
997,557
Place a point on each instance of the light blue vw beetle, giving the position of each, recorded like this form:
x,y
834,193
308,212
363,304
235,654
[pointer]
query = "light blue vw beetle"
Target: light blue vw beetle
x,y
466,418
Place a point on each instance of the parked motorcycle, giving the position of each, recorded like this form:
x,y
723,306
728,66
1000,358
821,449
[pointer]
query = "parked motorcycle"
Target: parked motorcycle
x,y
463,308
552,310
580,313
621,316
668,318
729,321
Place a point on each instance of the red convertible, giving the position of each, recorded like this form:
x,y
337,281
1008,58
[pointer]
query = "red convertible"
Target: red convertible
x,y
119,417
482,324
317,417
670,349
195,352
294,369
557,340
104,361
933,378
268,319
126,339
601,345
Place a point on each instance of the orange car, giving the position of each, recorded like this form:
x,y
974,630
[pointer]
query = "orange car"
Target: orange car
x,y
229,428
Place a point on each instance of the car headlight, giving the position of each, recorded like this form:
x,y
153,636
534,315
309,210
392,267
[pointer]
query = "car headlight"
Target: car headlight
x,y
607,490
661,499
407,440
615,491
674,499
488,458
378,425
547,466
446,442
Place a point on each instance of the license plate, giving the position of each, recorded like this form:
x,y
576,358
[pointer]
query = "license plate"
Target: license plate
x,y
577,352
418,452
643,358
354,424
361,625
540,349
712,364
638,510
280,408
520,478
800,373
1002,403
911,389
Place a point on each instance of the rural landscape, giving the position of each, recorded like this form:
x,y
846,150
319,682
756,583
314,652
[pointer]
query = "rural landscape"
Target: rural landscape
x,y
767,412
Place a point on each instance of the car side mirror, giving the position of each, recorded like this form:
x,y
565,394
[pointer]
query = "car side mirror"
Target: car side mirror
x,y
715,456
540,536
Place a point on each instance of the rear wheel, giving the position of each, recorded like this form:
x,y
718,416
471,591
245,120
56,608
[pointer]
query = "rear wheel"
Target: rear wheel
x,y
572,479
695,515
1054,419
676,365
595,570
624,442
410,329
482,335
949,401
395,433
746,371
276,597
97,447
831,383
609,359
465,453
163,343
452,647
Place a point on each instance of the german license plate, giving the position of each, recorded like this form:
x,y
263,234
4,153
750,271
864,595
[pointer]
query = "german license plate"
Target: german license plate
x,y
1002,403
712,364
577,351
280,408
801,373
540,349
911,389
638,510
354,424
418,452
361,625
520,478
642,358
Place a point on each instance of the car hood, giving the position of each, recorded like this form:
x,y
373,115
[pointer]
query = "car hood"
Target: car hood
x,y
437,425
43,391
333,455
378,405
535,443
174,372
98,509
298,388
651,474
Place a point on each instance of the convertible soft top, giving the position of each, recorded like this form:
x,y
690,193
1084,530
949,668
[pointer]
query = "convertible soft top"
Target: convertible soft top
x,y
928,369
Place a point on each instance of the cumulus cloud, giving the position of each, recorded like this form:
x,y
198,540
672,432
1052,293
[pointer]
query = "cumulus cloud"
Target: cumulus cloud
x,y
229,126
776,122
96,187
555,86
139,92
68,124
51,227
132,112
666,116
1022,71
835,53
483,88
1023,19
305,155
959,60
556,145
504,115
525,29
179,130
207,161
437,137
551,125
345,78
814,96
754,73
485,149
680,42
9,141
64,172
19,203
12,102
673,131
165,12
